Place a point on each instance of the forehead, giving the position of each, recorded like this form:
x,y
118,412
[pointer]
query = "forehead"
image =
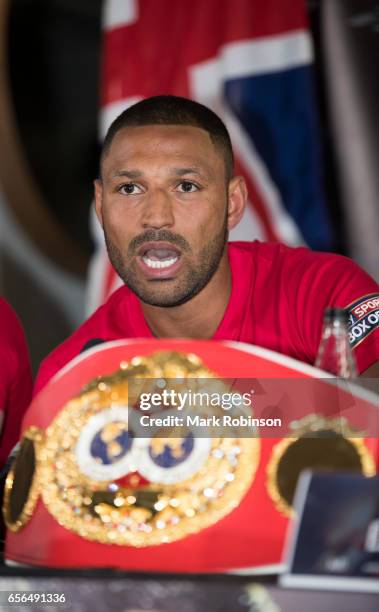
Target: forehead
x,y
163,144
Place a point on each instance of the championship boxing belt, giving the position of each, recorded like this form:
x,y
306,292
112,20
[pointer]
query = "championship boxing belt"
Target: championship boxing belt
x,y
87,490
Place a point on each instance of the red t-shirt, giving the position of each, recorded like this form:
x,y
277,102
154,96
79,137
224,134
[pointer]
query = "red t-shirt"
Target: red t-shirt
x,y
15,381
278,298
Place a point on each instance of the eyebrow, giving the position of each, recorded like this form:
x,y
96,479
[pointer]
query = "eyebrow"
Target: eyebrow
x,y
135,174
181,171
132,174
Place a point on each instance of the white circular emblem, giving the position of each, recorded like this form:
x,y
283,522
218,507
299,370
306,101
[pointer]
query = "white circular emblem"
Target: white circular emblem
x,y
105,449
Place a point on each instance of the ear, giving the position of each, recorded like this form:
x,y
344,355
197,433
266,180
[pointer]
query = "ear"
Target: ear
x,y
237,199
98,185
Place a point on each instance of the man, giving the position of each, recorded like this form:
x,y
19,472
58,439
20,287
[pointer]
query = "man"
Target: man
x,y
15,380
166,199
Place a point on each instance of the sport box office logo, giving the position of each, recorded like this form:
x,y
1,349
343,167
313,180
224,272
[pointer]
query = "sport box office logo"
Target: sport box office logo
x,y
363,318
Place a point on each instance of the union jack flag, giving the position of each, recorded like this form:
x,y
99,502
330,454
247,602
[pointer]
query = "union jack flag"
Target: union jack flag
x,y
251,62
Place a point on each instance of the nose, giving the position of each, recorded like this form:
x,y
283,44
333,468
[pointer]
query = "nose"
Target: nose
x,y
158,211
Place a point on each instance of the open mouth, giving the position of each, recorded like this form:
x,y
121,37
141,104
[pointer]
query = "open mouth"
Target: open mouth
x,y
159,258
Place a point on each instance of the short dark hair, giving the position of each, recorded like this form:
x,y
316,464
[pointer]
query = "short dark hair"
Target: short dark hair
x,y
174,110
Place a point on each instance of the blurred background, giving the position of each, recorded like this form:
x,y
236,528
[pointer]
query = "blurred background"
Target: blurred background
x,y
295,81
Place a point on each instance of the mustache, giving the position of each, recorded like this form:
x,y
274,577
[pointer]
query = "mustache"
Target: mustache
x,y
157,236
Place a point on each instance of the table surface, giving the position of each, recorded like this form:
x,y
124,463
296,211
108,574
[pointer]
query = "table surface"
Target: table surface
x,y
107,590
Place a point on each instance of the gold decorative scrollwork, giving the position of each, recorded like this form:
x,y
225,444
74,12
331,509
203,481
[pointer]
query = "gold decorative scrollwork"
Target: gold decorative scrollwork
x,y
104,497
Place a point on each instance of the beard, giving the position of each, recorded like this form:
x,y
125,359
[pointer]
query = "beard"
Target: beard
x,y
169,292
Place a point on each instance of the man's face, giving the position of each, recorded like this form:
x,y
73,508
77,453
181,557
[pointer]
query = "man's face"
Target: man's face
x,y
163,204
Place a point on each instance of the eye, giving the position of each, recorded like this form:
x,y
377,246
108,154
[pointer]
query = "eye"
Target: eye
x,y
188,187
130,189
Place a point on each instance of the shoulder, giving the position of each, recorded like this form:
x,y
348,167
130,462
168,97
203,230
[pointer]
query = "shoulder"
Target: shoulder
x,y
99,326
16,375
311,281
301,263
302,283
10,326
314,281
12,339
279,254
339,277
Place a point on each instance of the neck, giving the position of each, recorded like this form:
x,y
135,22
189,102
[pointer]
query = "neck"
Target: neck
x,y
197,318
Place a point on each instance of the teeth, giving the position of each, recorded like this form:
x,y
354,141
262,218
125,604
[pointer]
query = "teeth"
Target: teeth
x,y
152,263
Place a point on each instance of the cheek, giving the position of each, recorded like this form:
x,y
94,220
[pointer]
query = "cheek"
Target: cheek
x,y
118,221
209,225
207,214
